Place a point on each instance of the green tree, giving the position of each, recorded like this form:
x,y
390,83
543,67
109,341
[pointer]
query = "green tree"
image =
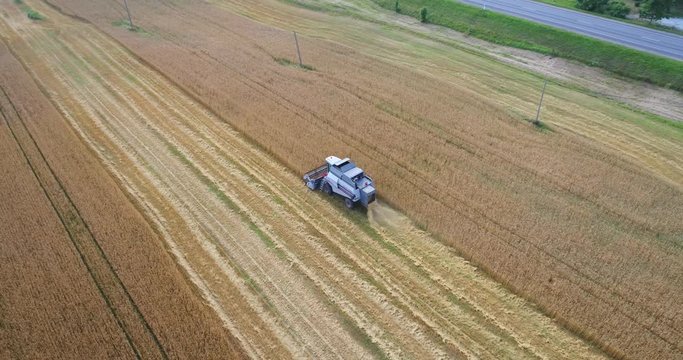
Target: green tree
x,y
423,15
592,5
617,8
655,9
397,7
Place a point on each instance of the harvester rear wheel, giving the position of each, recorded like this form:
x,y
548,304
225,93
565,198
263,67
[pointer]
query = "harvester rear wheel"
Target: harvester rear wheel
x,y
349,204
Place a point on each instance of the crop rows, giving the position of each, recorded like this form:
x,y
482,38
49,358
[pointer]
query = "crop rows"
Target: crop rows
x,y
582,219
139,336
29,250
101,285
288,272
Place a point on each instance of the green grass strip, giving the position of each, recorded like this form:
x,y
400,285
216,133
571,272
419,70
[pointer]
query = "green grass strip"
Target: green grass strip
x,y
32,14
510,31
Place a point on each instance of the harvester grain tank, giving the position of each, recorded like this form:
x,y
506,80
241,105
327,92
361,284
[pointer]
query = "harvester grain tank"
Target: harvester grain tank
x,y
344,178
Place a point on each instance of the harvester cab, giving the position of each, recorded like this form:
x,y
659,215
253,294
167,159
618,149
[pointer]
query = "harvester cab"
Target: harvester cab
x,y
344,178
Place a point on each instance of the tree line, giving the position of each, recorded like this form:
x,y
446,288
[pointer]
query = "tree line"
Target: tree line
x,y
649,9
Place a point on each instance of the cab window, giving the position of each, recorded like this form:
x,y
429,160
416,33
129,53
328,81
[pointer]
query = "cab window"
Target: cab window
x,y
335,171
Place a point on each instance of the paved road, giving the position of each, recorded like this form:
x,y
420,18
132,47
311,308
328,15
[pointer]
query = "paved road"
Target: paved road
x,y
637,37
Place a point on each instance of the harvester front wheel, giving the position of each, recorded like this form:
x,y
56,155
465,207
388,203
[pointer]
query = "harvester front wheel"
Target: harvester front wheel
x,y
327,189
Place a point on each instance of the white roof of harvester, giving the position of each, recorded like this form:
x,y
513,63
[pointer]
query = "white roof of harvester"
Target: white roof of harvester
x,y
333,160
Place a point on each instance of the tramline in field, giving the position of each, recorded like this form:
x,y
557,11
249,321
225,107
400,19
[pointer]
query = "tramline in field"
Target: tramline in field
x,y
193,144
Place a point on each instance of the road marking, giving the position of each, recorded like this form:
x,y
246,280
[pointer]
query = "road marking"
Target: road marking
x,y
649,39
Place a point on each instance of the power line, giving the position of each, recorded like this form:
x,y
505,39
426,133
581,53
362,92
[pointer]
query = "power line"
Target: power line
x,y
130,19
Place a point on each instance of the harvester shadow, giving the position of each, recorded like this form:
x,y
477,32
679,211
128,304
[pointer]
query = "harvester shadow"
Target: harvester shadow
x,y
337,202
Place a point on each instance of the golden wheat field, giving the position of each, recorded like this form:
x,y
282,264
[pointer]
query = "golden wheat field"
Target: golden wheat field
x,y
83,274
153,205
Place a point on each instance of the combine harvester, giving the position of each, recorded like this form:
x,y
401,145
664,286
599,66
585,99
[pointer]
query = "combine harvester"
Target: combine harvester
x,y
342,177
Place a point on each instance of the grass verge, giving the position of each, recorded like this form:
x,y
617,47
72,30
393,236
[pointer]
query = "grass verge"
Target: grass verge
x,y
510,31
123,23
32,14
287,62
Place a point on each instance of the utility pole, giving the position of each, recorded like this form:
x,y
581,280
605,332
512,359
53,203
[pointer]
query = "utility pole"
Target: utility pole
x,y
130,19
298,52
538,112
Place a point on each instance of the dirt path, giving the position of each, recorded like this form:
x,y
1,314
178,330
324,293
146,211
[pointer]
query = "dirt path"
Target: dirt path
x,y
290,272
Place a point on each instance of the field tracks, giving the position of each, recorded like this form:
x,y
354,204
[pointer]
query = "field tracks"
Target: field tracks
x,y
287,270
459,204
117,101
140,337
